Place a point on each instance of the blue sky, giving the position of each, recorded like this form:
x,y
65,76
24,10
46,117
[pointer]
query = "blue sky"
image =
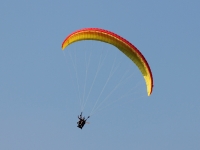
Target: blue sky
x,y
39,100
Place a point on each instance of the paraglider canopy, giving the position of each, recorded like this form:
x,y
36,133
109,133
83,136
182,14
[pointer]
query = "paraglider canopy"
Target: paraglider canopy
x,y
122,44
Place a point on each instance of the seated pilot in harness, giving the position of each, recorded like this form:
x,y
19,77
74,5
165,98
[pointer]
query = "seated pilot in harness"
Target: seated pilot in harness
x,y
81,121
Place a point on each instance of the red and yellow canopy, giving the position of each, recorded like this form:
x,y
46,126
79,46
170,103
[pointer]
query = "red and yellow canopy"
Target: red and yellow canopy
x,y
122,44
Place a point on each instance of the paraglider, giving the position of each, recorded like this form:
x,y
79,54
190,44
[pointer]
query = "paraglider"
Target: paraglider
x,y
81,121
122,44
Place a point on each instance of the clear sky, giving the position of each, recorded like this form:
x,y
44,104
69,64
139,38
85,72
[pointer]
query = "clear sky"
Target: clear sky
x,y
39,92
